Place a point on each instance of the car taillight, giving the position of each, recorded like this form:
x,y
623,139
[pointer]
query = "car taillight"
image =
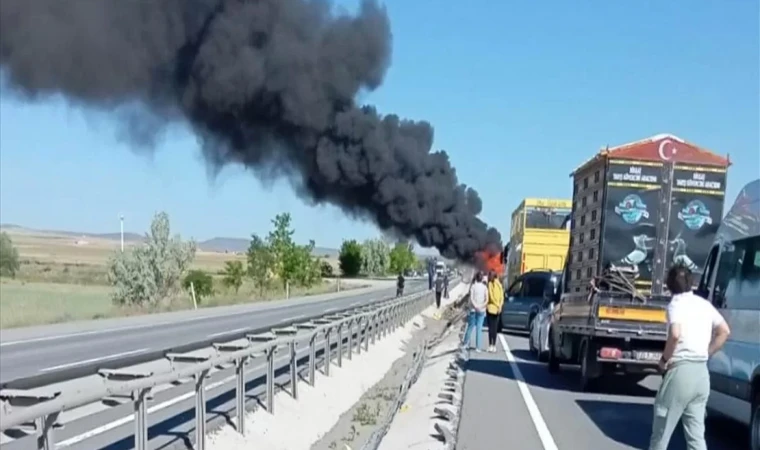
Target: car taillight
x,y
610,353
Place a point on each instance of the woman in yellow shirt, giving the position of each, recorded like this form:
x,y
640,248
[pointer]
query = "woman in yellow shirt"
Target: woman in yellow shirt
x,y
493,309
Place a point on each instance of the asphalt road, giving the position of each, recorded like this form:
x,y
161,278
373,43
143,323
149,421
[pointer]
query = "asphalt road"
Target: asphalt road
x,y
540,411
55,354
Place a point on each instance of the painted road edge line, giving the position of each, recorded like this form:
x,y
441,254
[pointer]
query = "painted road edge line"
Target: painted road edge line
x,y
102,358
538,421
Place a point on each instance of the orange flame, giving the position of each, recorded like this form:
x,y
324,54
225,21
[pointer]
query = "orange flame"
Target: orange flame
x,y
490,261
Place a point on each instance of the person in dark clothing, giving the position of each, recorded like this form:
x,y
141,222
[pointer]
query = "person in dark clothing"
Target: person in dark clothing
x,y
438,290
446,285
400,285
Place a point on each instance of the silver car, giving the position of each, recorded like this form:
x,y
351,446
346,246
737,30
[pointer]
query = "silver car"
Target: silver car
x,y
538,341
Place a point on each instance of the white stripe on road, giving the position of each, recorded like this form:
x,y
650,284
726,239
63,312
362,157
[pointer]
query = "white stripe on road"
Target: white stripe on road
x,y
87,361
538,421
222,333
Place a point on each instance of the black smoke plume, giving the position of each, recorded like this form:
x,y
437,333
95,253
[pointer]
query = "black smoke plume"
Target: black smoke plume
x,y
270,84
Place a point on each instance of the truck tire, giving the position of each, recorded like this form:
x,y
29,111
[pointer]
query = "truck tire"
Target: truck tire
x,y
552,361
589,371
754,423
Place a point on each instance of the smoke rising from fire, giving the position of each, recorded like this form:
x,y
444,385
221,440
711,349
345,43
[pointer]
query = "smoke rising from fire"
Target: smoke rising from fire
x,y
269,84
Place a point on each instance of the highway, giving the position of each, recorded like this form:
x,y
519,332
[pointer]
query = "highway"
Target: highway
x,y
43,358
503,407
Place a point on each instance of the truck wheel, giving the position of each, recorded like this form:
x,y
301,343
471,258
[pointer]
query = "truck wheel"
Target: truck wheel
x,y
589,377
552,361
754,424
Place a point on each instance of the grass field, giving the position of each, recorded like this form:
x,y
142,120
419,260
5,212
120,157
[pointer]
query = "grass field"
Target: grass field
x,y
63,278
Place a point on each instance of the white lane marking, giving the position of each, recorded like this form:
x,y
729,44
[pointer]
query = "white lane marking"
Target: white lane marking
x,y
223,333
538,421
87,361
130,418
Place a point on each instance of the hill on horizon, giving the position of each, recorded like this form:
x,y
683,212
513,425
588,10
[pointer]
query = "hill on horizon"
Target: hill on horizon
x,y
215,244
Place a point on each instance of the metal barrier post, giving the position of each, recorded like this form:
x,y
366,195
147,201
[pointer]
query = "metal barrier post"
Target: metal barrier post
x,y
312,359
46,440
293,369
328,351
141,419
360,335
200,410
270,378
340,344
367,330
240,394
350,353
372,327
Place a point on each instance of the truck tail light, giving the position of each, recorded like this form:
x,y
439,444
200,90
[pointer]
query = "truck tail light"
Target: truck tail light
x,y
610,353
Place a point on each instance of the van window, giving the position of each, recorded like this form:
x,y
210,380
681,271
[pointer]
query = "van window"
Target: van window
x,y
514,290
704,282
729,264
743,290
534,286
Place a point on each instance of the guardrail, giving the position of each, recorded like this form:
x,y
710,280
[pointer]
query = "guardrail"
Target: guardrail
x,y
39,410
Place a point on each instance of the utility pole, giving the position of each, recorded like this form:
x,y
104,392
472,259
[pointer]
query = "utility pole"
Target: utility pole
x,y
121,226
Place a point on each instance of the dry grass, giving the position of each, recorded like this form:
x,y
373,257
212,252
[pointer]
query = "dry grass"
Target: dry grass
x,y
63,278
33,303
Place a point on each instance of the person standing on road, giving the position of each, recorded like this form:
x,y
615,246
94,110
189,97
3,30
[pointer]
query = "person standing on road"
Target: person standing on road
x,y
400,285
477,305
696,330
493,309
446,285
439,283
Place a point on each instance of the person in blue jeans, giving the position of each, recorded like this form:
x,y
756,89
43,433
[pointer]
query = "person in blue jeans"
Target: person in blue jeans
x,y
477,313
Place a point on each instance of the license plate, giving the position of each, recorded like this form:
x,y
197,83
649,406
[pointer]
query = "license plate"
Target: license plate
x,y
647,356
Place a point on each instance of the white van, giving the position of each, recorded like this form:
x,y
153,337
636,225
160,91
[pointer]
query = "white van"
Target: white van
x,y
731,281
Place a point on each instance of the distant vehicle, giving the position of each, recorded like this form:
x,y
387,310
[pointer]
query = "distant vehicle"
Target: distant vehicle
x,y
538,237
731,281
526,297
440,268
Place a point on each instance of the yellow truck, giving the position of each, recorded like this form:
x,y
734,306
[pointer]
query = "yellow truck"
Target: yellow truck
x,y
539,236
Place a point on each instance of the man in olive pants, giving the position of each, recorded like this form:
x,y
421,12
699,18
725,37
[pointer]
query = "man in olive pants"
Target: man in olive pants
x,y
696,330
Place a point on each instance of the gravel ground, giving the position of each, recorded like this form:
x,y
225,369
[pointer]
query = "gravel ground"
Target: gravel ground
x,y
357,424
368,414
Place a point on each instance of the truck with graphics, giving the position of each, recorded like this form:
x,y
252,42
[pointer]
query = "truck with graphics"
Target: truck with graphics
x,y
637,210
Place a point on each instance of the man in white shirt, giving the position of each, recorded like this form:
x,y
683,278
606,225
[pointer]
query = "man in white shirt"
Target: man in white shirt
x,y
477,313
696,330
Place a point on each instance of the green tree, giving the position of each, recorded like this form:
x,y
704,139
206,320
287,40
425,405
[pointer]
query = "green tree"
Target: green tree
x,y
402,258
292,263
283,248
199,282
233,274
260,263
375,257
149,273
327,269
350,258
9,263
306,269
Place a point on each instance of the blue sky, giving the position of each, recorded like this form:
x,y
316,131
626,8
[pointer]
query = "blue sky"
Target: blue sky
x,y
519,93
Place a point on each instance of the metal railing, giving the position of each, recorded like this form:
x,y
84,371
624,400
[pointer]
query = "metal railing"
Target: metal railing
x,y
40,410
